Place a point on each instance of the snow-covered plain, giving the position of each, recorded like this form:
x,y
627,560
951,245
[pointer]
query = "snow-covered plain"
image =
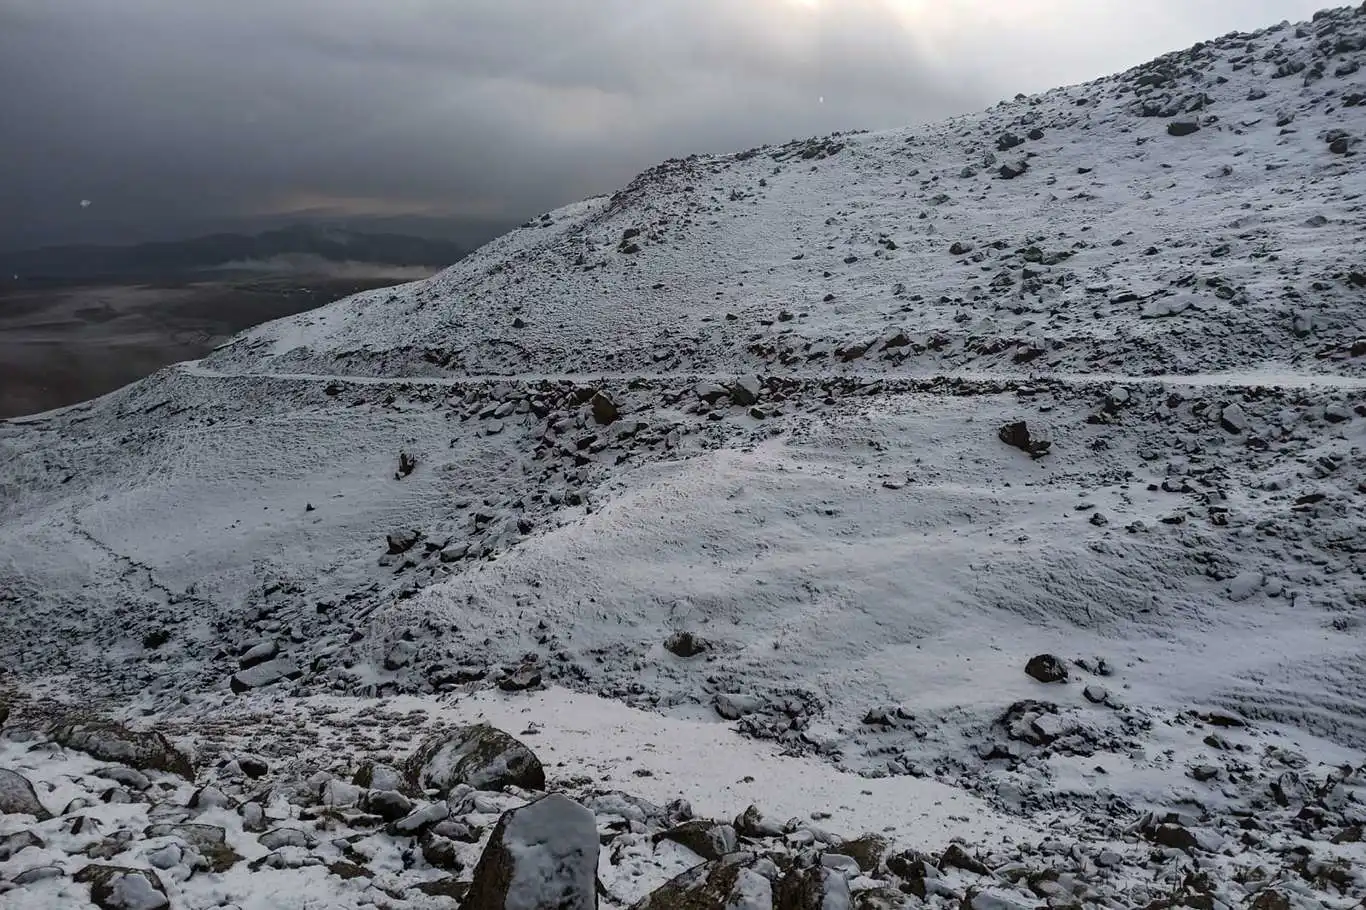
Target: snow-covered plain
x,y
705,481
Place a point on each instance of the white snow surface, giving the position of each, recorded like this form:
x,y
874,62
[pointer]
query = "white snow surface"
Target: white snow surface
x,y
756,399
721,773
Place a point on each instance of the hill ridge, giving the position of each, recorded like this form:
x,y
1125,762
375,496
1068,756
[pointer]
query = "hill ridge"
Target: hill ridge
x,y
777,257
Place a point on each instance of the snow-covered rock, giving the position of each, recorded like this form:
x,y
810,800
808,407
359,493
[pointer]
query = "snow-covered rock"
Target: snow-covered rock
x,y
542,856
147,750
17,796
479,756
119,888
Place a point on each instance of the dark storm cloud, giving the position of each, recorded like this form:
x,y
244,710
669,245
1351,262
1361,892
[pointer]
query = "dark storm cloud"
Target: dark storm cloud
x,y
166,113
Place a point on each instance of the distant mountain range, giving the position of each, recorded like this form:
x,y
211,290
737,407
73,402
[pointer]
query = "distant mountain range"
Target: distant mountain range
x,y
182,258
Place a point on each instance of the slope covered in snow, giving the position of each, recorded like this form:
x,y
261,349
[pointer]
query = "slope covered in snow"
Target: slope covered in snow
x,y
1005,472
1115,245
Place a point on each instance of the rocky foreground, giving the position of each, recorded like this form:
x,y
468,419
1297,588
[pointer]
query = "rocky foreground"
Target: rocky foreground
x,y
130,818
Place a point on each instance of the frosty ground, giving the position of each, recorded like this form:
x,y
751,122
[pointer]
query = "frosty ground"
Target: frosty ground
x,y
716,489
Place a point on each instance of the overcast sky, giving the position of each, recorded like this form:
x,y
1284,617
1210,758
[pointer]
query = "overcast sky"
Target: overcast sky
x,y
165,114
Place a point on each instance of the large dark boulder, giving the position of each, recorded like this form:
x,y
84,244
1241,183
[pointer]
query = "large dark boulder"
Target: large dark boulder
x,y
1046,668
480,756
17,796
542,856
1018,434
811,889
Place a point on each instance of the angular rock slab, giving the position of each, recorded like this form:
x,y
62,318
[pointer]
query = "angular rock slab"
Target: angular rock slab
x,y
146,751
542,856
17,796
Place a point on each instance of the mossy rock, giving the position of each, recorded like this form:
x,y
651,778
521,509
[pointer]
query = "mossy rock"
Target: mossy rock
x,y
705,887
480,756
708,839
867,851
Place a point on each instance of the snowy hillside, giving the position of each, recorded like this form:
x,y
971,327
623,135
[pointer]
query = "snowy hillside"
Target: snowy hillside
x,y
1116,245
999,480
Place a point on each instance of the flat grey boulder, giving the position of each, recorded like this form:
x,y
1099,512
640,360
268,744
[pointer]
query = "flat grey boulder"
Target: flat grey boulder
x,y
38,874
1165,307
999,899
266,674
145,750
17,796
17,842
542,856
710,392
421,819
479,756
259,653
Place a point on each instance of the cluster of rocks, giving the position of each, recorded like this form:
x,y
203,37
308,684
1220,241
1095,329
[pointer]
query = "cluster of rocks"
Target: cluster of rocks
x,y
1200,444
816,148
1188,82
466,820
1204,445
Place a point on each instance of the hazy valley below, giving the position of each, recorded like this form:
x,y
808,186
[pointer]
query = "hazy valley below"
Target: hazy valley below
x,y
63,344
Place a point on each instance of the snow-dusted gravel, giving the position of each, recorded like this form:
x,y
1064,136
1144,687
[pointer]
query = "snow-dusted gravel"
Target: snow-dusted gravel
x,y
716,490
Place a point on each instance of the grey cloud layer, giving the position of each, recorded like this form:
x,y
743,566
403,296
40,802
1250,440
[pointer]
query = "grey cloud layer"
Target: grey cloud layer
x,y
162,110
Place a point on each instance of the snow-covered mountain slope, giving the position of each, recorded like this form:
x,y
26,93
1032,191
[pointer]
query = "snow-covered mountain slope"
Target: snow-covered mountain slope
x,y
1119,247
829,443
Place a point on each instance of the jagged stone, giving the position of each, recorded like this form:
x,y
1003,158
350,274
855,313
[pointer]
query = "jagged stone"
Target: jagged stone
x,y
1017,434
401,541
1046,668
210,841
605,410
746,391
685,644
708,839
867,851
730,883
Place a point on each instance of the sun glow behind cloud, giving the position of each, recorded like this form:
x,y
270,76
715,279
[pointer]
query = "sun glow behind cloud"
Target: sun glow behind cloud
x,y
990,40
